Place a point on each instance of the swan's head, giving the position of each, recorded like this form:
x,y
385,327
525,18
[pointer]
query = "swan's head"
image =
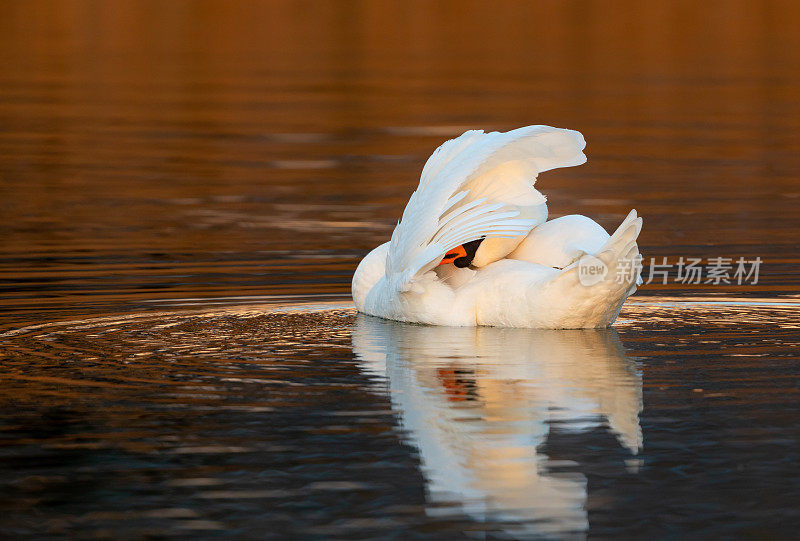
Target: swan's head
x,y
462,256
485,251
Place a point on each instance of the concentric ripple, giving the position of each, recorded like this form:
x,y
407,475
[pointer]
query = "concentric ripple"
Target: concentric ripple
x,y
296,419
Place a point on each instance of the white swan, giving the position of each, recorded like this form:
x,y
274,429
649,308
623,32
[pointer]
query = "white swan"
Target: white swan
x,y
473,246
480,405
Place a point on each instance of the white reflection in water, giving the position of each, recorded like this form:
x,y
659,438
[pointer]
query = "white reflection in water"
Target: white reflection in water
x,y
477,402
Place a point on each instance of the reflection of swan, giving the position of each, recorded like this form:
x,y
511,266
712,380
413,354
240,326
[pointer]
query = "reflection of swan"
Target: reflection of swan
x,y
478,401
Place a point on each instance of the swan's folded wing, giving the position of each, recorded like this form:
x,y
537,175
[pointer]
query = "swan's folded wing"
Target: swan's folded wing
x,y
472,187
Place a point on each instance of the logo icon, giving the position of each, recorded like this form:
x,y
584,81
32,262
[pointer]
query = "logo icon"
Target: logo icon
x,y
591,270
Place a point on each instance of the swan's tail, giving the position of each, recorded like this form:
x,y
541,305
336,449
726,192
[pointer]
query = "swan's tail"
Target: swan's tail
x,y
621,253
601,282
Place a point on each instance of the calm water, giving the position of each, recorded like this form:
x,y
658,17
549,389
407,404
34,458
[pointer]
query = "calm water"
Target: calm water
x,y
186,188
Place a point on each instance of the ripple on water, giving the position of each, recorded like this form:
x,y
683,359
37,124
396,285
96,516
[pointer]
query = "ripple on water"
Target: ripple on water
x,y
306,419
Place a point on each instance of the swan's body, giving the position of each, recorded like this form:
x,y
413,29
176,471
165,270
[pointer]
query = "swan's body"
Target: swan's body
x,y
526,272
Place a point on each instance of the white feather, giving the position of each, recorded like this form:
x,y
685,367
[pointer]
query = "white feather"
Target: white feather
x,y
477,185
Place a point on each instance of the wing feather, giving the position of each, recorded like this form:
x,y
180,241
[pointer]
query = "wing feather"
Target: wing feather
x,y
476,185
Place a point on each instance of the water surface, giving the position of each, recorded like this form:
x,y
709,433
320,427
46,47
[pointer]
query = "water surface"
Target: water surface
x,y
312,421
186,188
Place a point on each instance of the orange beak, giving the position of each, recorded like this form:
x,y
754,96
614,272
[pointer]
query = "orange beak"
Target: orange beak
x,y
453,254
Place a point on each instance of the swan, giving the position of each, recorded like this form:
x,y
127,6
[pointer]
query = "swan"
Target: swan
x,y
480,405
474,247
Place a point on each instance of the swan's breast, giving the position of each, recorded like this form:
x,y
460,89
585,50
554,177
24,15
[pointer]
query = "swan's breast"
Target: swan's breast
x,y
371,269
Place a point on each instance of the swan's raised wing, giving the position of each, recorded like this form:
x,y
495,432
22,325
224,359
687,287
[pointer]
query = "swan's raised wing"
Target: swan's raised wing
x,y
476,185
